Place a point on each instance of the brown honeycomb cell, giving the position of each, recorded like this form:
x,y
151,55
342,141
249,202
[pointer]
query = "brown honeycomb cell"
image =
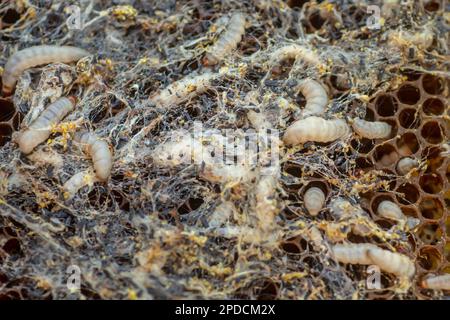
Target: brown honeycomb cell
x,y
9,120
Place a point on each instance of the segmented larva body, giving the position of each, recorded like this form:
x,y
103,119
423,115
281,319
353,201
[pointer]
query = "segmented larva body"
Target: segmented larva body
x,y
392,262
353,253
371,130
314,200
405,165
99,151
367,254
315,95
228,41
41,128
183,89
35,56
315,129
295,51
441,282
390,210
76,182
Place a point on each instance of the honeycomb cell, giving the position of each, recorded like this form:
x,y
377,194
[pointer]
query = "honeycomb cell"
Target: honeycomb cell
x,y
410,212
362,145
408,118
412,75
431,183
291,246
433,107
7,110
10,16
432,132
429,258
408,94
432,84
296,3
431,5
265,289
316,20
430,233
431,208
318,184
5,133
407,194
386,105
433,158
447,227
386,155
407,144
190,205
377,200
363,163
293,169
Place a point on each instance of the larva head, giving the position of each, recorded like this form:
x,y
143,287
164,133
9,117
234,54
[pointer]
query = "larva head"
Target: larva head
x,y
209,60
72,99
6,90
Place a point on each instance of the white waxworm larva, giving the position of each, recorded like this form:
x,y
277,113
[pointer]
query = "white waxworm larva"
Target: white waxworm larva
x,y
35,56
183,89
314,200
406,164
315,129
315,95
392,262
390,210
227,41
41,128
76,182
371,130
297,52
353,253
99,151
441,282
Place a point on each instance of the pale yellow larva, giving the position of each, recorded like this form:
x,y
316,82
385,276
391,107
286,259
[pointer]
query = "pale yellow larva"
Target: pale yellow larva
x,y
315,95
314,200
315,129
227,41
392,262
184,89
41,128
390,210
406,164
35,56
441,282
297,52
371,130
76,182
99,151
353,253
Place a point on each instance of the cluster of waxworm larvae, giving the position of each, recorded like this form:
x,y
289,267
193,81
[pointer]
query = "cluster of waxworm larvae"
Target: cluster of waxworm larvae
x,y
41,128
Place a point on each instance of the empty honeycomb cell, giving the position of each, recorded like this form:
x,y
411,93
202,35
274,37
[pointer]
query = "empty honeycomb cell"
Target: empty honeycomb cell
x,y
407,144
386,105
291,246
447,251
190,205
432,84
430,233
431,183
408,94
316,20
431,5
410,211
265,289
12,247
433,107
10,16
429,258
431,208
433,158
293,169
432,132
7,110
363,163
296,3
408,118
5,133
385,154
362,145
407,193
